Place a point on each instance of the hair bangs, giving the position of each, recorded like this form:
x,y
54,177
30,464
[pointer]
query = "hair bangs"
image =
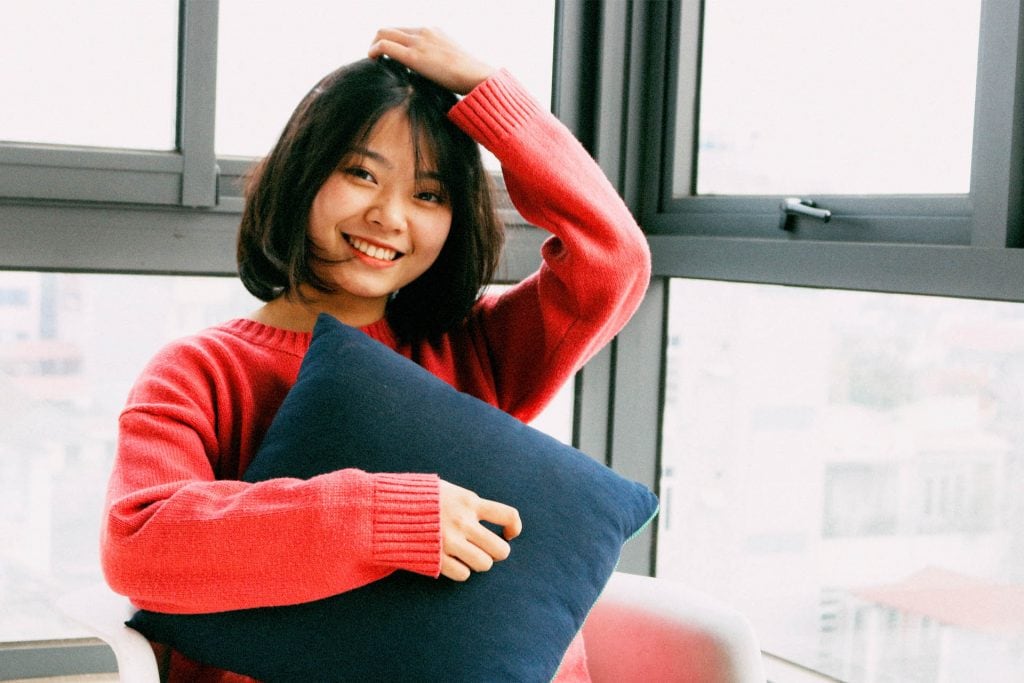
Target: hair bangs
x,y
337,116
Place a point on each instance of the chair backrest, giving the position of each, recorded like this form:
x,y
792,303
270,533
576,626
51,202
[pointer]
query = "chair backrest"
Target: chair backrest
x,y
646,630
104,612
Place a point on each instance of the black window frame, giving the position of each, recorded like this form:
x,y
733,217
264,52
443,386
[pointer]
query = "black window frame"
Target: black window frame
x,y
952,245
185,176
956,246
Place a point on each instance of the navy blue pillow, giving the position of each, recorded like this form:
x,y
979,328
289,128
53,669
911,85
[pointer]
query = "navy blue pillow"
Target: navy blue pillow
x,y
512,623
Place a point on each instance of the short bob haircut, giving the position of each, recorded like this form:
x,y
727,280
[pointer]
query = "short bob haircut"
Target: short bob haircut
x,y
337,115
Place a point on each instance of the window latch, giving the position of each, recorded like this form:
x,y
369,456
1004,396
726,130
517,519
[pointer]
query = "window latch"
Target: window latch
x,y
792,206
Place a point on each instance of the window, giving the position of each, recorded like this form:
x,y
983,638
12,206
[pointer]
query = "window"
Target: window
x,y
837,98
794,374
109,105
65,369
111,83
842,467
840,106
271,54
237,70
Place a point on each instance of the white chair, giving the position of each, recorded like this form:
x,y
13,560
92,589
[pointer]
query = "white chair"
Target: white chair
x,y
642,629
104,612
646,630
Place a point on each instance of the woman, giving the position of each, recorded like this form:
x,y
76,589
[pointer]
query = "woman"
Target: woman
x,y
373,207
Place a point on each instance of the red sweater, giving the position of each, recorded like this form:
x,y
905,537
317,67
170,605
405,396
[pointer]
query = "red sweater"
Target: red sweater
x,y
182,534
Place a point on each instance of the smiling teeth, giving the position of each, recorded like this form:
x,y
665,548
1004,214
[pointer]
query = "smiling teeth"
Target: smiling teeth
x,y
371,250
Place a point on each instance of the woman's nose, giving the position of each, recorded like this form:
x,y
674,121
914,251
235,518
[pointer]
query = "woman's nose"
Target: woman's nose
x,y
388,212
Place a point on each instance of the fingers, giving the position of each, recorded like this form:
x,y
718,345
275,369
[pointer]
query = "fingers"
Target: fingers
x,y
467,545
433,55
503,515
406,44
478,551
395,38
394,43
454,570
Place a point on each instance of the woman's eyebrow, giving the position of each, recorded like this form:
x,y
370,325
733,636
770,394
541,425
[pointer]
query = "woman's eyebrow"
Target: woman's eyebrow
x,y
424,174
376,156
421,174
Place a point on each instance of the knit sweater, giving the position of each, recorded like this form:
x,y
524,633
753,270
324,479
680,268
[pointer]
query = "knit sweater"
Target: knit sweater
x,y
182,534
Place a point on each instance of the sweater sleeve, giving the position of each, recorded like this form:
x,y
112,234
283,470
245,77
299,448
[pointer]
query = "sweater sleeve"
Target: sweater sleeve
x,y
596,266
179,537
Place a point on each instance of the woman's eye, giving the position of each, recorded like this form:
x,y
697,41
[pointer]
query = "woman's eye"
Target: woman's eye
x,y
434,197
357,172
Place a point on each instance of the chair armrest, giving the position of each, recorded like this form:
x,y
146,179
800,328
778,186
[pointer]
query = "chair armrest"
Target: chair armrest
x,y
104,612
646,629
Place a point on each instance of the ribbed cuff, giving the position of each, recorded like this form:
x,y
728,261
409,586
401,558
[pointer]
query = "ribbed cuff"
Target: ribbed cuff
x,y
407,522
494,108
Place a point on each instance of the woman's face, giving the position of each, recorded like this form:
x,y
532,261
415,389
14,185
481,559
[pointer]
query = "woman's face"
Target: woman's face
x,y
378,222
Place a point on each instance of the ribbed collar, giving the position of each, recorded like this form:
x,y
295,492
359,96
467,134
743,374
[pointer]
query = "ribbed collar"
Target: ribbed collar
x,y
297,342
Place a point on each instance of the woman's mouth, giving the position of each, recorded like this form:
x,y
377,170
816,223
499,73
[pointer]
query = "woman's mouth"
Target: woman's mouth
x,y
372,250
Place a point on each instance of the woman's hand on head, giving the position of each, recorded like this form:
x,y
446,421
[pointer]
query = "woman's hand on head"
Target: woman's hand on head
x,y
433,55
466,544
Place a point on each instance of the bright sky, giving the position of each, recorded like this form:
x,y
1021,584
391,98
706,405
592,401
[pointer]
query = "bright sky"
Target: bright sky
x,y
104,73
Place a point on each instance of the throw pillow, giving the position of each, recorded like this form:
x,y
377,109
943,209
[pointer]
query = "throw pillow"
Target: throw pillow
x,y
357,403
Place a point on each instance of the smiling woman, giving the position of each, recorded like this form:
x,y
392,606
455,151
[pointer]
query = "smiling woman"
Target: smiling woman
x,y
399,176
373,207
60,368
376,224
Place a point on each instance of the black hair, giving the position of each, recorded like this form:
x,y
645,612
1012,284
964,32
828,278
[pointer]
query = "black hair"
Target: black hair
x,y
337,115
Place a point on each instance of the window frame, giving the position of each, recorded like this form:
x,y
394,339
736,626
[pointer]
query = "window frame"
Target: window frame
x,y
910,244
183,177
932,245
989,216
621,96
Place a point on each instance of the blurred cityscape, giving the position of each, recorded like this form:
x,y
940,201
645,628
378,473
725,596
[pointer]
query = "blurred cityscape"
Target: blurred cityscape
x,y
848,469
70,347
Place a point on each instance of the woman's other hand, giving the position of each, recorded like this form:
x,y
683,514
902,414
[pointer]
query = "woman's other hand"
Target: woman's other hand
x,y
466,544
433,55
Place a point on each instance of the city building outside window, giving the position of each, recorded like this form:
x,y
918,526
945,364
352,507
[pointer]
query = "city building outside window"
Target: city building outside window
x,y
846,468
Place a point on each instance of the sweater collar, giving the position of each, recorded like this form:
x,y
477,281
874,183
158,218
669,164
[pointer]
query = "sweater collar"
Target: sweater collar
x,y
298,342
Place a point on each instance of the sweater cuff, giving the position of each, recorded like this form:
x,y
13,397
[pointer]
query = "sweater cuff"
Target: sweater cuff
x,y
494,108
407,522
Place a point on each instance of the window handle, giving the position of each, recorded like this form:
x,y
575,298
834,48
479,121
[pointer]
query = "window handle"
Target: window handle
x,y
792,206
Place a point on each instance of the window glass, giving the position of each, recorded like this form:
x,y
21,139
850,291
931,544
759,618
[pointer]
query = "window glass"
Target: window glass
x,y
70,347
828,96
100,74
67,358
272,53
846,469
